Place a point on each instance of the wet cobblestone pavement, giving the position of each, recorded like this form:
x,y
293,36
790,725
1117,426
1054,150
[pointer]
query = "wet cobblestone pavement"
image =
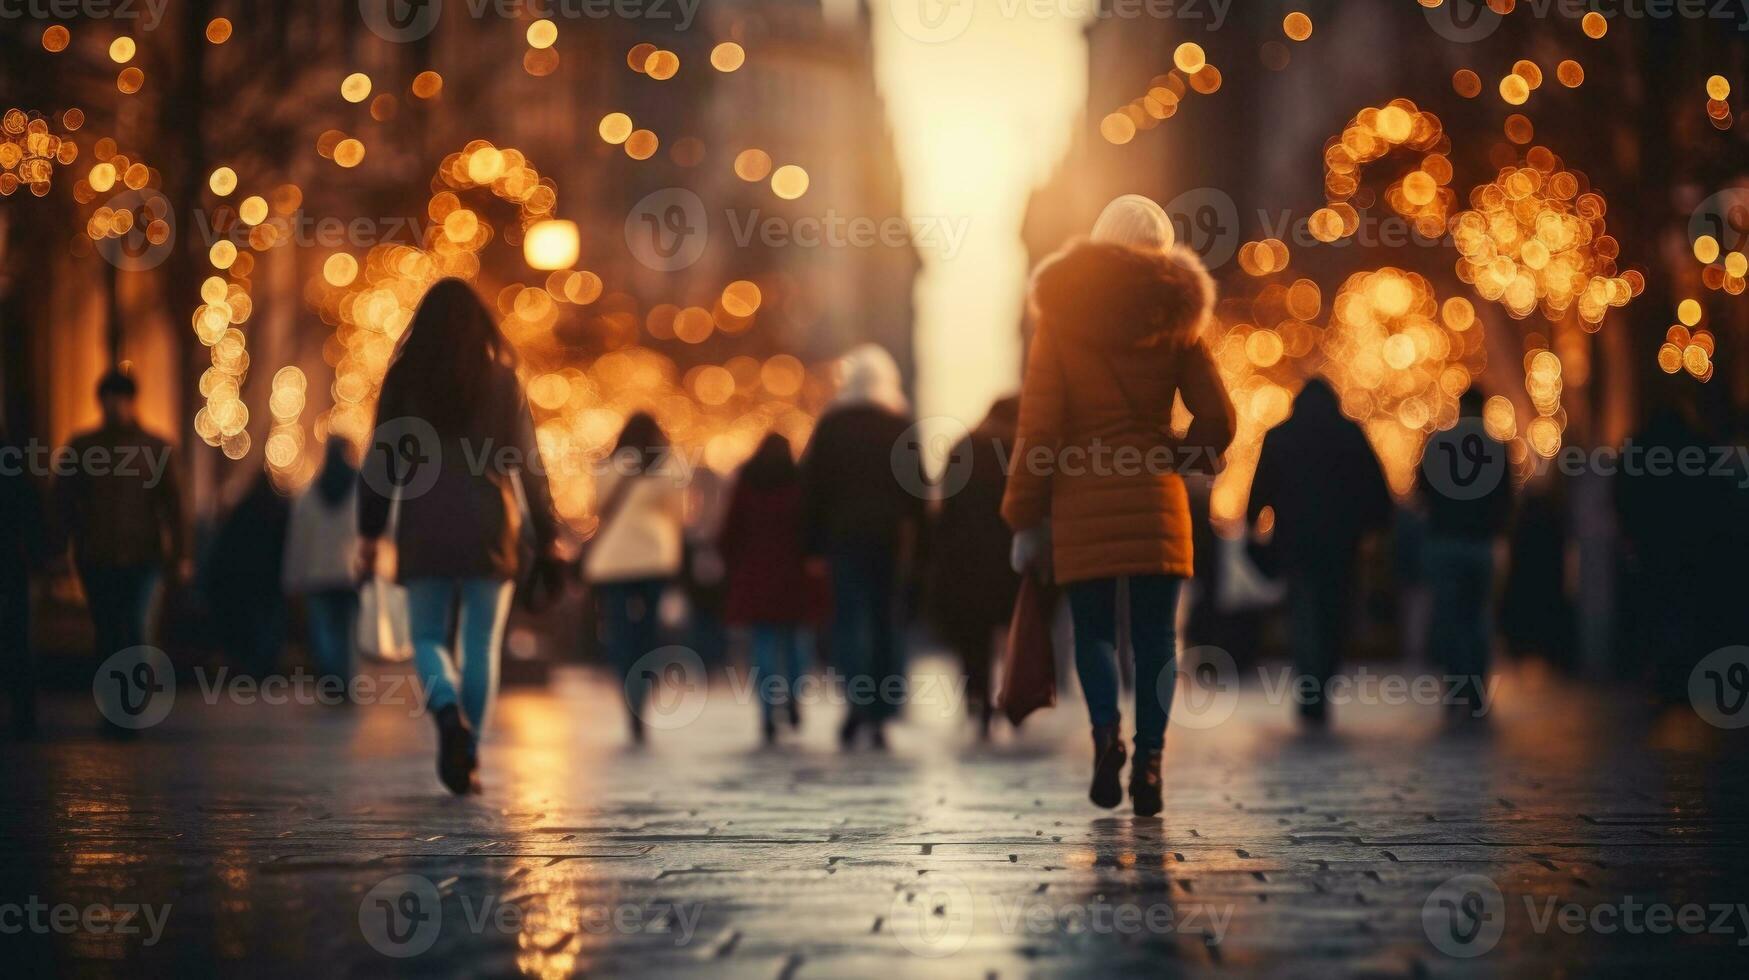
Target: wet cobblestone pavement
x,y
309,841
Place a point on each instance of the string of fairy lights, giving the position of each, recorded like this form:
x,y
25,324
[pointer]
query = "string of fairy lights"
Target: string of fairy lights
x,y
1531,239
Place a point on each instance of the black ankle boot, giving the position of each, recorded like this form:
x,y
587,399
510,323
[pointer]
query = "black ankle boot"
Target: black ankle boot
x,y
455,750
1145,783
1108,760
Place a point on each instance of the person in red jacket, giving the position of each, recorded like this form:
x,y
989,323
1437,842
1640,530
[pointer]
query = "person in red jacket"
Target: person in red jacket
x,y
769,590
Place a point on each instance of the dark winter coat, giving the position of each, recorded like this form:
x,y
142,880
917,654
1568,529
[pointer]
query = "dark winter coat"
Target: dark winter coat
x,y
462,521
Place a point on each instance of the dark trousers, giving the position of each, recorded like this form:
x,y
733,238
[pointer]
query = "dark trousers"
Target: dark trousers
x,y
17,659
119,600
1153,625
865,633
333,628
630,629
1321,612
1460,632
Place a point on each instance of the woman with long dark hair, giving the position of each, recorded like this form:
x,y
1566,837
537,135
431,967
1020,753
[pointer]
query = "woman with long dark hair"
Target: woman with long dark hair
x,y
770,591
451,397
637,552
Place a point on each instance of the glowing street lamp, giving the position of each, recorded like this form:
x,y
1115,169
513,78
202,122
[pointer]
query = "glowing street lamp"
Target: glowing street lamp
x,y
551,245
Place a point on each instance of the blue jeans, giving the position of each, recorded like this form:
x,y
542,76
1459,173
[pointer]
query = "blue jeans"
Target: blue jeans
x,y
1153,636
776,653
865,633
333,628
484,608
1460,630
631,627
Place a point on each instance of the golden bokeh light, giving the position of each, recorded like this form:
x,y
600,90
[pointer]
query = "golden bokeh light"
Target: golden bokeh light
x,y
253,210
56,38
615,127
427,85
356,87
218,30
122,50
1570,73
789,182
752,165
543,34
1189,57
641,144
728,56
130,81
223,181
1595,25
1297,26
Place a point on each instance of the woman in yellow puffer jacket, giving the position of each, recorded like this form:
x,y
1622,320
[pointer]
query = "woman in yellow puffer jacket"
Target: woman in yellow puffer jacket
x,y
1095,491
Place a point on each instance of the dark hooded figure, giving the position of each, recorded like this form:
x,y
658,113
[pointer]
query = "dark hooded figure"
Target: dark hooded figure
x,y
862,513
241,578
1464,519
972,586
1322,480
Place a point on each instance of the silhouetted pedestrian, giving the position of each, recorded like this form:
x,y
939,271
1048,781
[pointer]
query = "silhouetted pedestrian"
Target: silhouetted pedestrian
x,y
1465,487
972,586
240,578
23,547
636,553
770,593
1322,480
861,517
321,562
451,397
121,509
1095,492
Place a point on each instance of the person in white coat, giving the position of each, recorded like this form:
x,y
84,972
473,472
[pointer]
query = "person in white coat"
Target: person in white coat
x,y
636,553
321,552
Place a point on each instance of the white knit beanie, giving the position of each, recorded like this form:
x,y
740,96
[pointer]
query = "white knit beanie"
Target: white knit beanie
x,y
1135,221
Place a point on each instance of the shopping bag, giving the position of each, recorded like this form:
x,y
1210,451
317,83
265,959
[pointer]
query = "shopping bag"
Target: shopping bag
x,y
1029,664
383,629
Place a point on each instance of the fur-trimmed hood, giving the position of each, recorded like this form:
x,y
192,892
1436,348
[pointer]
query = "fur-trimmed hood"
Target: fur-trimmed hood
x,y
1110,295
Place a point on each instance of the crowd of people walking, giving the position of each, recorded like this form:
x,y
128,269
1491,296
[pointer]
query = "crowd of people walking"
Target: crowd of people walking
x,y
827,548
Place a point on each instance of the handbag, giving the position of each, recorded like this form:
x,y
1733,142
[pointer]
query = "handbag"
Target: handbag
x,y
1029,662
